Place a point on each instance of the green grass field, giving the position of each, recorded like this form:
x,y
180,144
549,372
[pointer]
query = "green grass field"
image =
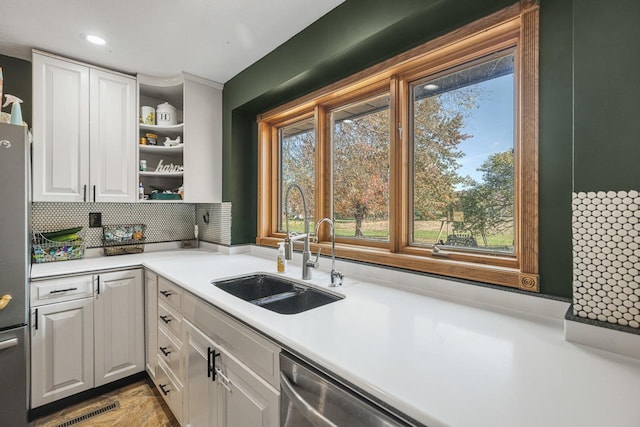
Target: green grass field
x,y
424,232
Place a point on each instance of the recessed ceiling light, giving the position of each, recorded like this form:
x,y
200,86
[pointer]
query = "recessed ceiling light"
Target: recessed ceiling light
x,y
92,38
431,86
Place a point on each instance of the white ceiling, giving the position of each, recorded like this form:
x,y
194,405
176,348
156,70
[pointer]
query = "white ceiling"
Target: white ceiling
x,y
214,39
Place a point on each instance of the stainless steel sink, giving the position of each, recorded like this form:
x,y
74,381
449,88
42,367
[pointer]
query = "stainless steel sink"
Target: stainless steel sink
x,y
276,293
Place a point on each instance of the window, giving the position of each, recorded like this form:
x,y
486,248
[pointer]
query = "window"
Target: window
x,y
427,161
297,156
463,157
360,137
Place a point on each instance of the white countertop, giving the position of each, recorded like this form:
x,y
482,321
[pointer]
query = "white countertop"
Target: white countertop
x,y
440,362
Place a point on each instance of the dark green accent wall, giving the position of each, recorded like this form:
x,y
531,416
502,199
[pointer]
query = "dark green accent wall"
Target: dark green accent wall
x,y
607,95
555,137
361,33
17,81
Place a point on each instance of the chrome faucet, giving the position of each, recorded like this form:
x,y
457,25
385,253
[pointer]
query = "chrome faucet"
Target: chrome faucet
x,y
307,264
336,276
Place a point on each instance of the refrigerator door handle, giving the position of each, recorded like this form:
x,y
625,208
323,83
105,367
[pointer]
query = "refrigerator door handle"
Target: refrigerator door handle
x,y
94,194
12,342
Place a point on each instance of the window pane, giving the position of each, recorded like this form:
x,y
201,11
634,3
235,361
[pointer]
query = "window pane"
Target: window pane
x,y
361,169
463,157
297,143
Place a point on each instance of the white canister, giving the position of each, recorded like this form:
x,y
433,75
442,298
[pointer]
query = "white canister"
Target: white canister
x,y
148,115
166,114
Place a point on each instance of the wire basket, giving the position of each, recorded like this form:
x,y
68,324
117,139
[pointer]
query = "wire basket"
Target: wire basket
x,y
123,239
45,250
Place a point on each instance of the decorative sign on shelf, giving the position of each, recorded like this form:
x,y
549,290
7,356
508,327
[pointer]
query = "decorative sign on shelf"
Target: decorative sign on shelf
x,y
168,168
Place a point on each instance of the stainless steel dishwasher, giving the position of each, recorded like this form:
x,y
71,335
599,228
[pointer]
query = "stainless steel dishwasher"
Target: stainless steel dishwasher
x,y
310,398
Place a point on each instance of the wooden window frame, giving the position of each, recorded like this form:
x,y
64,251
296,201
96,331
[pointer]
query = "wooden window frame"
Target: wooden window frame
x,y
515,27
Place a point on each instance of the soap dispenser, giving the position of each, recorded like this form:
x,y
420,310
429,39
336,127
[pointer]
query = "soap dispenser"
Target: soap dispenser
x,y
281,260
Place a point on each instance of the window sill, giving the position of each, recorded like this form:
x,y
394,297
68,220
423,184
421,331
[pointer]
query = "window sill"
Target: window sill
x,y
502,271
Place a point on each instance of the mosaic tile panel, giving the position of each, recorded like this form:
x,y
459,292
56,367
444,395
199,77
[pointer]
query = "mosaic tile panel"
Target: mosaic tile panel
x,y
218,230
606,250
165,221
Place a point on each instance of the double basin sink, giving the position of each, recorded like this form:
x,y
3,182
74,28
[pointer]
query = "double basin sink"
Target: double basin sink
x,y
276,293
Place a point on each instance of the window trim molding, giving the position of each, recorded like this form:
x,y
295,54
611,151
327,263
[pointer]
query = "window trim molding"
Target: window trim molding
x,y
515,26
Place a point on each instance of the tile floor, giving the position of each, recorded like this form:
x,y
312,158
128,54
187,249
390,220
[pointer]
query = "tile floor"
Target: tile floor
x,y
140,405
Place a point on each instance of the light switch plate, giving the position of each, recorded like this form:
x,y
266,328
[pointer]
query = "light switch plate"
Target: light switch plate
x,y
95,219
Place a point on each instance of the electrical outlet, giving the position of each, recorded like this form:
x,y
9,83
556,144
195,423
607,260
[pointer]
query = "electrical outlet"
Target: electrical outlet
x,y
95,219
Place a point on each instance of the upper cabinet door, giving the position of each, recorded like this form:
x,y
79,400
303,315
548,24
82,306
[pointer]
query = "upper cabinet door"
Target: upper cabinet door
x,y
113,137
203,142
60,130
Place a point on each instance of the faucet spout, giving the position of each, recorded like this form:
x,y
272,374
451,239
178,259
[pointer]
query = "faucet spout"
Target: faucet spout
x,y
307,263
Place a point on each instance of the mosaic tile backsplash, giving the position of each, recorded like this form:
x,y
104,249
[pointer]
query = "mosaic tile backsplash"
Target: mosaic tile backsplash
x,y
606,250
165,221
218,230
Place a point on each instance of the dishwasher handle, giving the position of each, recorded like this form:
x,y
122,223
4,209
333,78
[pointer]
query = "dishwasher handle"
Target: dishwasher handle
x,y
309,412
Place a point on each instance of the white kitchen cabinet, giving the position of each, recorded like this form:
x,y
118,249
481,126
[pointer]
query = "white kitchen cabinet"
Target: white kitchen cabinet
x,y
86,331
202,392
84,122
220,391
119,326
228,372
199,114
151,321
61,350
247,400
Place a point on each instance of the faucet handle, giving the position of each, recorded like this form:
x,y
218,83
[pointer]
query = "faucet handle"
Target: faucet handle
x,y
315,263
336,275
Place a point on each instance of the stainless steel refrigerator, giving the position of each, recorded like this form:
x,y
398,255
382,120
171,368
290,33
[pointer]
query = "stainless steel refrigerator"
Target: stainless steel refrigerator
x,y
14,269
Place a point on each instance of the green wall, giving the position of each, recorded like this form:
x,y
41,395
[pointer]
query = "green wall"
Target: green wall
x,y
361,33
17,81
607,96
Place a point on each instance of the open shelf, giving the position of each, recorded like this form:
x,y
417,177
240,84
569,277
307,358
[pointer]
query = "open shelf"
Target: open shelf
x,y
162,174
161,149
161,130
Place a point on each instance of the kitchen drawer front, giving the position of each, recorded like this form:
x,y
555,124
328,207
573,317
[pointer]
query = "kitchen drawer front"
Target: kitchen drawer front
x,y
170,351
59,290
170,390
169,293
251,348
171,319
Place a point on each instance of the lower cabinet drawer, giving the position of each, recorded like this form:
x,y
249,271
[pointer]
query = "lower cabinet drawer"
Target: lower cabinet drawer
x,y
171,319
59,290
169,351
170,390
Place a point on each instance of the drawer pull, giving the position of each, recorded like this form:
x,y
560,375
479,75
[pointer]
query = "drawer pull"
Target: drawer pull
x,y
164,351
166,293
165,319
162,386
63,290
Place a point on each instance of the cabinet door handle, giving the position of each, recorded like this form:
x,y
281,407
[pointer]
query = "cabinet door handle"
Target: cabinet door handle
x,y
36,322
166,293
162,386
94,193
165,319
84,193
225,380
63,290
164,351
211,363
98,285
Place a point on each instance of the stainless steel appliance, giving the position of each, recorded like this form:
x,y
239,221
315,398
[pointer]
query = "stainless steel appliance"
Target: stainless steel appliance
x,y
14,265
309,397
